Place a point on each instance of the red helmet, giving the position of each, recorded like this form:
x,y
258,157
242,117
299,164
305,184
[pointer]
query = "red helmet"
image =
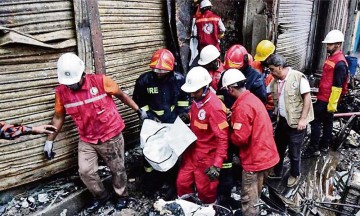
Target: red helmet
x,y
162,59
235,57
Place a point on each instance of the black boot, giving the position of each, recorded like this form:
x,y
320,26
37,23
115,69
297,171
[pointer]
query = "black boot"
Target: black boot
x,y
97,203
120,203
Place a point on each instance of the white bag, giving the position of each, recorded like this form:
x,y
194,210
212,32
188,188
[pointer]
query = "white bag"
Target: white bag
x,y
162,144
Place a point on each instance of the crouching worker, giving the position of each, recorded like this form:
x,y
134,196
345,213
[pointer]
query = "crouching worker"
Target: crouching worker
x,y
87,98
201,162
251,130
158,93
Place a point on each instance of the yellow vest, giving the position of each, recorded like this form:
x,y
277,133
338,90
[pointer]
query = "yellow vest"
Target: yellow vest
x,y
293,101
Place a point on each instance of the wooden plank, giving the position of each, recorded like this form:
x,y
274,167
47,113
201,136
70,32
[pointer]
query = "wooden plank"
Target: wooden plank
x,y
96,36
83,33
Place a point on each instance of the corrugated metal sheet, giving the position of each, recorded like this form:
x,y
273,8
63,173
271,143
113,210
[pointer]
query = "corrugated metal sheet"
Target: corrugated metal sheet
x,y
293,31
132,30
27,81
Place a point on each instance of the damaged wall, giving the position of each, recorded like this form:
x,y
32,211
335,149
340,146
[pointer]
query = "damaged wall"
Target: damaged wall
x,y
27,81
33,34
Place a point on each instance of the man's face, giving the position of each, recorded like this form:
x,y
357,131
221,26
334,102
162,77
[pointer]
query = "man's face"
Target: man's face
x,y
276,71
332,47
197,96
212,66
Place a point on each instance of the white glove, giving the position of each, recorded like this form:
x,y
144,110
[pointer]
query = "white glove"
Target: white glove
x,y
48,150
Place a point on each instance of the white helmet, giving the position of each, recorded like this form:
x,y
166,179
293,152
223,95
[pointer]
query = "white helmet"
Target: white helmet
x,y
196,78
232,76
208,54
205,3
69,69
334,36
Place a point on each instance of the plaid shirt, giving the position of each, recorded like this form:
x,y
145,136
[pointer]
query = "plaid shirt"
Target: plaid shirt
x,y
10,132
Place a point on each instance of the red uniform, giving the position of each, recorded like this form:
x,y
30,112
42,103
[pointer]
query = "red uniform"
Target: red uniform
x,y
208,30
208,122
216,75
92,109
327,76
253,133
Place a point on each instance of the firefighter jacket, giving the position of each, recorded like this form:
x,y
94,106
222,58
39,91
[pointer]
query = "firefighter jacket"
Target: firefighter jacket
x,y
208,27
267,78
92,109
252,132
161,98
208,123
328,74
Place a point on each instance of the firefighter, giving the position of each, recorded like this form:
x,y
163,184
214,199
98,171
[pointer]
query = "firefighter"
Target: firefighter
x,y
251,130
87,98
263,50
209,28
209,59
10,132
201,162
333,84
158,92
237,57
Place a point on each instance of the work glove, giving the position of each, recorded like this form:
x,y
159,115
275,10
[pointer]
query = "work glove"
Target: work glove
x,y
185,118
142,114
213,173
334,98
48,150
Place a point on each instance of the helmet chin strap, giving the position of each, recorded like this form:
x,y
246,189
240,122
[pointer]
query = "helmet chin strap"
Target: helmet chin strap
x,y
205,91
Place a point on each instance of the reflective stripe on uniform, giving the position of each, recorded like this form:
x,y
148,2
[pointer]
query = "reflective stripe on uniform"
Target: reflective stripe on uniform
x,y
182,103
74,104
99,97
216,19
330,63
145,108
226,165
161,112
223,125
87,101
148,169
200,125
237,126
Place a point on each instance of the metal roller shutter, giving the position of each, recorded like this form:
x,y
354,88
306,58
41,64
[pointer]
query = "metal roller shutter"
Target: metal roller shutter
x,y
132,30
293,31
27,81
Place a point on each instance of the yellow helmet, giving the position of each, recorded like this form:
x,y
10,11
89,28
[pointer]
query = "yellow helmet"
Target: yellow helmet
x,y
263,50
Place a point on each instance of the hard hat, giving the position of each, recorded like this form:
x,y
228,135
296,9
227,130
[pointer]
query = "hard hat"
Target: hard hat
x,y
205,3
232,76
235,57
208,54
69,69
162,59
334,36
263,50
196,78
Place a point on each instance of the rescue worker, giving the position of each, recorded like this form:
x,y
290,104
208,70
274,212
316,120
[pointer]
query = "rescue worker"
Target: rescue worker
x,y
158,92
251,130
209,59
237,57
201,162
209,28
333,84
263,50
292,100
87,98
10,132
